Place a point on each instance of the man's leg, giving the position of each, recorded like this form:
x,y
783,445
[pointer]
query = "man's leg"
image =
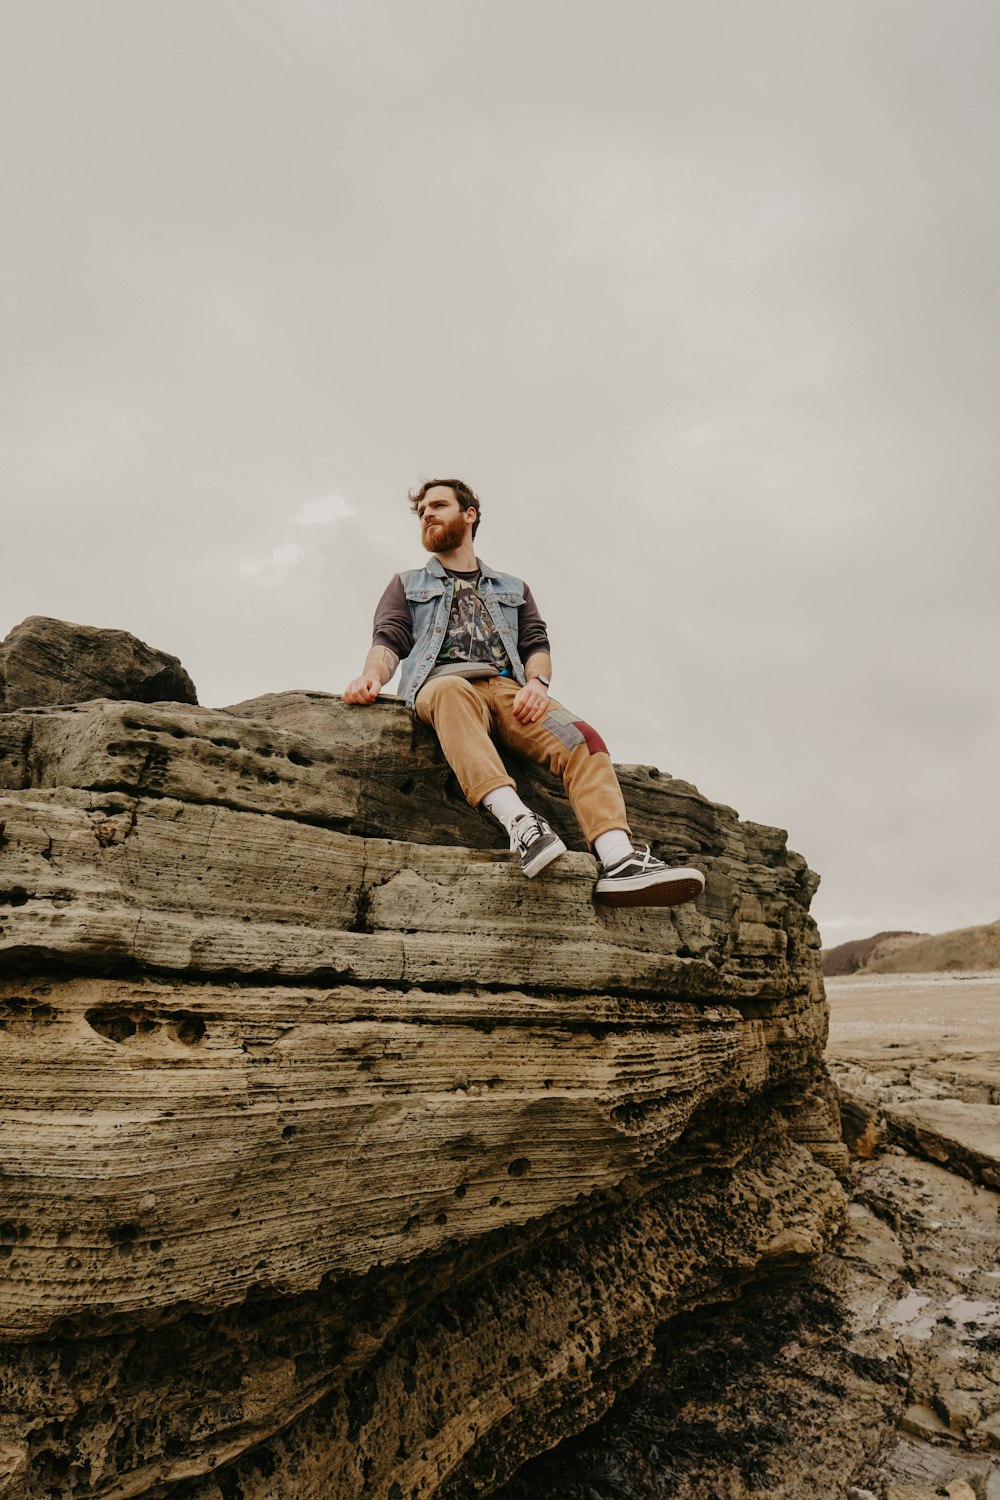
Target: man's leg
x,y
459,712
573,749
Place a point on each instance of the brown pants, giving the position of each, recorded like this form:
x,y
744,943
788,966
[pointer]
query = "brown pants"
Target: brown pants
x,y
464,714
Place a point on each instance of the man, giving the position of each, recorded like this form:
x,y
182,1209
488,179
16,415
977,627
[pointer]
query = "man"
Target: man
x,y
476,663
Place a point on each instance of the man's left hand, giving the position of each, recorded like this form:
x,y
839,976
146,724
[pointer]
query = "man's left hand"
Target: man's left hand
x,y
531,703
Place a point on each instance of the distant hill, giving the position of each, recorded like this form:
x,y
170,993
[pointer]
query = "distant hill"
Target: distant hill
x,y
848,958
917,953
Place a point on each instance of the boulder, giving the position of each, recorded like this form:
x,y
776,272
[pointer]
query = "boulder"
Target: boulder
x,y
340,1160
44,661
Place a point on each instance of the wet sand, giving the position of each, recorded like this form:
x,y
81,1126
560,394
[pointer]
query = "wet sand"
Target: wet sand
x,y
933,1013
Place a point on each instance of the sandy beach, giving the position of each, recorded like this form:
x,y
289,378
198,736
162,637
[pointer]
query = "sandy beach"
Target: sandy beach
x,y
939,1012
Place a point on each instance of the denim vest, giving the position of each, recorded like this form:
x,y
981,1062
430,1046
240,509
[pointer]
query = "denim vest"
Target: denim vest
x,y
429,592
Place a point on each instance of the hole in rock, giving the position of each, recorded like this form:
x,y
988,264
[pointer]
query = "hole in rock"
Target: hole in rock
x,y
123,1234
297,759
16,896
288,1132
519,1167
461,1190
189,1029
111,1024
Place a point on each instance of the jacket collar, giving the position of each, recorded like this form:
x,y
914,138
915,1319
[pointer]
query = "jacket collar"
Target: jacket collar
x,y
435,567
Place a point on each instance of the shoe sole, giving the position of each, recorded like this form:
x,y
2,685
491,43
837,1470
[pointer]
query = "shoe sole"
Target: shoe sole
x,y
652,892
542,858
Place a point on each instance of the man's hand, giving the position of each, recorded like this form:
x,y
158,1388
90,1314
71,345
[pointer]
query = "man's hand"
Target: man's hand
x,y
364,689
380,663
532,702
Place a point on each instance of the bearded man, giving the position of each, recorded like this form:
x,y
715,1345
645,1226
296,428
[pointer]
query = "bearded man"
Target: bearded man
x,y
476,664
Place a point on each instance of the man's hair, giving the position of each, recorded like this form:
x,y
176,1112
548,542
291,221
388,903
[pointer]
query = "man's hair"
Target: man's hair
x,y
464,494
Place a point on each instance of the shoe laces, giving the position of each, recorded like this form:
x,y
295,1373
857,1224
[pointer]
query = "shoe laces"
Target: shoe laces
x,y
644,858
524,831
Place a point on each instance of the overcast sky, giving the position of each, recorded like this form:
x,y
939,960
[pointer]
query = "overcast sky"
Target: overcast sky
x,y
701,297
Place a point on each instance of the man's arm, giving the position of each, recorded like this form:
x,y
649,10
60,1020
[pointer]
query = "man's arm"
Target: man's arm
x,y
532,702
392,640
380,663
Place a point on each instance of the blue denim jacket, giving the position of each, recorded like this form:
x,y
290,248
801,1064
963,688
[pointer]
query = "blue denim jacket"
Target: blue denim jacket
x,y
429,592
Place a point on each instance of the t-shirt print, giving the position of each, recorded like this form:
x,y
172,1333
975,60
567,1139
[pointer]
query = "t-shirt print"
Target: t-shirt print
x,y
471,633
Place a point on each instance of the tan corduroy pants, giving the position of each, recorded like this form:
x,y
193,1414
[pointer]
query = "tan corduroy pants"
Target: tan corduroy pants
x,y
466,713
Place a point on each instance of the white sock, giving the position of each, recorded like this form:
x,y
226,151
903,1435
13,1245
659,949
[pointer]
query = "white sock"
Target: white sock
x,y
613,846
505,805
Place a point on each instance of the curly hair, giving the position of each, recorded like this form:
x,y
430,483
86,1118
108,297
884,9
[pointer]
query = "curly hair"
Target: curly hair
x,y
464,494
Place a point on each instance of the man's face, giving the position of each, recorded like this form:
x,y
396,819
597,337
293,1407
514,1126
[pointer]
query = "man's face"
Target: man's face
x,y
444,525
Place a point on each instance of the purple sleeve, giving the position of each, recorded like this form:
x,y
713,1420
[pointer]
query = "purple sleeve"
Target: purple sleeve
x,y
393,625
532,634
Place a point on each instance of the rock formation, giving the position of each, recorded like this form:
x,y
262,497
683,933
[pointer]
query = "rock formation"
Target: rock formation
x,y
918,1067
51,661
337,1159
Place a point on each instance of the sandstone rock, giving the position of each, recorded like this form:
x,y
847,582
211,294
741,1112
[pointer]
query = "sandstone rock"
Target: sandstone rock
x,y
861,1126
923,1422
960,1409
340,1161
965,1136
960,1490
45,661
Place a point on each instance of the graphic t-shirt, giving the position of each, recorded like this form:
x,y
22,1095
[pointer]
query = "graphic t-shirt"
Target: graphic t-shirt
x,y
471,634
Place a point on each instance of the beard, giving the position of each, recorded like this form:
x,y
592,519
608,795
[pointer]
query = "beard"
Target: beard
x,y
444,536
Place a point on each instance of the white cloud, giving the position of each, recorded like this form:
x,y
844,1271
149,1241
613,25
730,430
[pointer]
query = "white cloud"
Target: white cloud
x,y
325,511
275,566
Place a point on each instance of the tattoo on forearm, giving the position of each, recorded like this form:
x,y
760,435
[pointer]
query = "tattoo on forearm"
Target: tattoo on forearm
x,y
389,659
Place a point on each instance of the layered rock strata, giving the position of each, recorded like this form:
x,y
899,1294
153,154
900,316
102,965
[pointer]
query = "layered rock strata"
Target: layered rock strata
x,y
338,1159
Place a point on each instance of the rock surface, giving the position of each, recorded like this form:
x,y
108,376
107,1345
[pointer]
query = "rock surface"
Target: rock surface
x,y
874,1373
337,1159
46,661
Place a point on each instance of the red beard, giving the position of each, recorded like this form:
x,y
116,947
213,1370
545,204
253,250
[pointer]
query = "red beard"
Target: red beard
x,y
444,536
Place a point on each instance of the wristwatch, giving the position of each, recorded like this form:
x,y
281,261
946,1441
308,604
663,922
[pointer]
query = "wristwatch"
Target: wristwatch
x,y
546,681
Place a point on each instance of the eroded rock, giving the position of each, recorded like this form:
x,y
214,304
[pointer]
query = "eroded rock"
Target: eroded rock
x,y
45,661
339,1159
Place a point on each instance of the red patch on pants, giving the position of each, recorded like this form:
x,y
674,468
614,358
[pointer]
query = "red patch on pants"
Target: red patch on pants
x,y
593,739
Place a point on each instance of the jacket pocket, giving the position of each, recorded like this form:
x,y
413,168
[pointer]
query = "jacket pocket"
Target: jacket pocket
x,y
423,595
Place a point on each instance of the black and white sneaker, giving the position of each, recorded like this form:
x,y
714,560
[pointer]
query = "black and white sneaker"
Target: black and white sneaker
x,y
640,879
533,840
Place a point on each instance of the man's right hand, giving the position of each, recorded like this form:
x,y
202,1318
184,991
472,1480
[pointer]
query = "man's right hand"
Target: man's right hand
x,y
364,689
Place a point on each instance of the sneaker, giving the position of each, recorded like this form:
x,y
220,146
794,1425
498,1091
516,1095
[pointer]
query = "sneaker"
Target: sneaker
x,y
640,879
533,839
